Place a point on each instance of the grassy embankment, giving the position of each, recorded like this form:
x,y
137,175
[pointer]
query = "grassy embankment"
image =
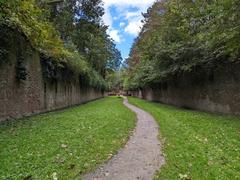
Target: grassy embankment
x,y
66,143
197,145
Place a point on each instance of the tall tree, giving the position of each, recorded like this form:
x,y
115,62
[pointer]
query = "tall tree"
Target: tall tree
x,y
80,21
181,36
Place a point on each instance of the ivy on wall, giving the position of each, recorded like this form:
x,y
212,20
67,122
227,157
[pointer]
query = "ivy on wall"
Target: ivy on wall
x,y
21,70
3,55
27,19
4,45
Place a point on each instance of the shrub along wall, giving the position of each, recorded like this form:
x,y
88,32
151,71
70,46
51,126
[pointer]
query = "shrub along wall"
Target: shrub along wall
x,y
215,91
24,90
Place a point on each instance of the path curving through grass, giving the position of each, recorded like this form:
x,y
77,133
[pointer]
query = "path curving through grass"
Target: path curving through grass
x,y
140,158
197,145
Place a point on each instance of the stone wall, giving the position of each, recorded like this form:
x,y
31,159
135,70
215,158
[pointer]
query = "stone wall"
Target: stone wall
x,y
214,91
36,94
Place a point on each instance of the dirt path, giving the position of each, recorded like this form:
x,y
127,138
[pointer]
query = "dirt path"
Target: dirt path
x,y
140,158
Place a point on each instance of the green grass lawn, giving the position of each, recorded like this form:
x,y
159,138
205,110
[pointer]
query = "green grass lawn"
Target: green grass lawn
x,y
66,143
197,145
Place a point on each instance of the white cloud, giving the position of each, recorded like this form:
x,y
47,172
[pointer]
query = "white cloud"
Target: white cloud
x,y
135,24
132,17
114,34
134,27
107,19
122,24
132,3
134,14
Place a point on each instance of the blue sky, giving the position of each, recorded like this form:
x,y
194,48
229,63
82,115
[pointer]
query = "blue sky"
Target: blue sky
x,y
124,20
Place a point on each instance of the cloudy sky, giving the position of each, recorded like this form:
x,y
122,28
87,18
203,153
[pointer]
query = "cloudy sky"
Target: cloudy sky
x,y
124,20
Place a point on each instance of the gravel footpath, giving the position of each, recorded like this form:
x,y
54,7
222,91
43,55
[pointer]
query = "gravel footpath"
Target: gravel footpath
x,y
140,158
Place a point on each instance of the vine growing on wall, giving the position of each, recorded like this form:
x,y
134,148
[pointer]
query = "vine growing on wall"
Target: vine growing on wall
x,y
3,55
21,69
73,38
3,45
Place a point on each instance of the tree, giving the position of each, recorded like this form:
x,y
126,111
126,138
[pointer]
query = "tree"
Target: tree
x,y
183,36
69,35
80,21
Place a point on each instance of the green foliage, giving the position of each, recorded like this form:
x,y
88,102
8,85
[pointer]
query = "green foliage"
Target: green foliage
x,y
83,26
28,18
3,45
196,145
95,80
115,80
62,32
181,36
95,45
66,143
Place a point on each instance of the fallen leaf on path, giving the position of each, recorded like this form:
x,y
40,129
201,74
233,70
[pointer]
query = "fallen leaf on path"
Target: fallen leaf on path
x,y
54,176
106,174
64,146
184,176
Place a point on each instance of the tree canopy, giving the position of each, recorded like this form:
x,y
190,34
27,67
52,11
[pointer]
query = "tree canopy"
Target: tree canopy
x,y
71,34
182,36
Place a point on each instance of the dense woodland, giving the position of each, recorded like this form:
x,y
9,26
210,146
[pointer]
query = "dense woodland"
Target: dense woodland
x,y
70,36
182,37
178,37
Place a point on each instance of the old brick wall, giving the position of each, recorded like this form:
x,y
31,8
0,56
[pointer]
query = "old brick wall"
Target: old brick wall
x,y
36,94
218,91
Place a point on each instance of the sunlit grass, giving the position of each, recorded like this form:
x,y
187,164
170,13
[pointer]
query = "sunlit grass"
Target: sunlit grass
x,y
197,145
66,143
